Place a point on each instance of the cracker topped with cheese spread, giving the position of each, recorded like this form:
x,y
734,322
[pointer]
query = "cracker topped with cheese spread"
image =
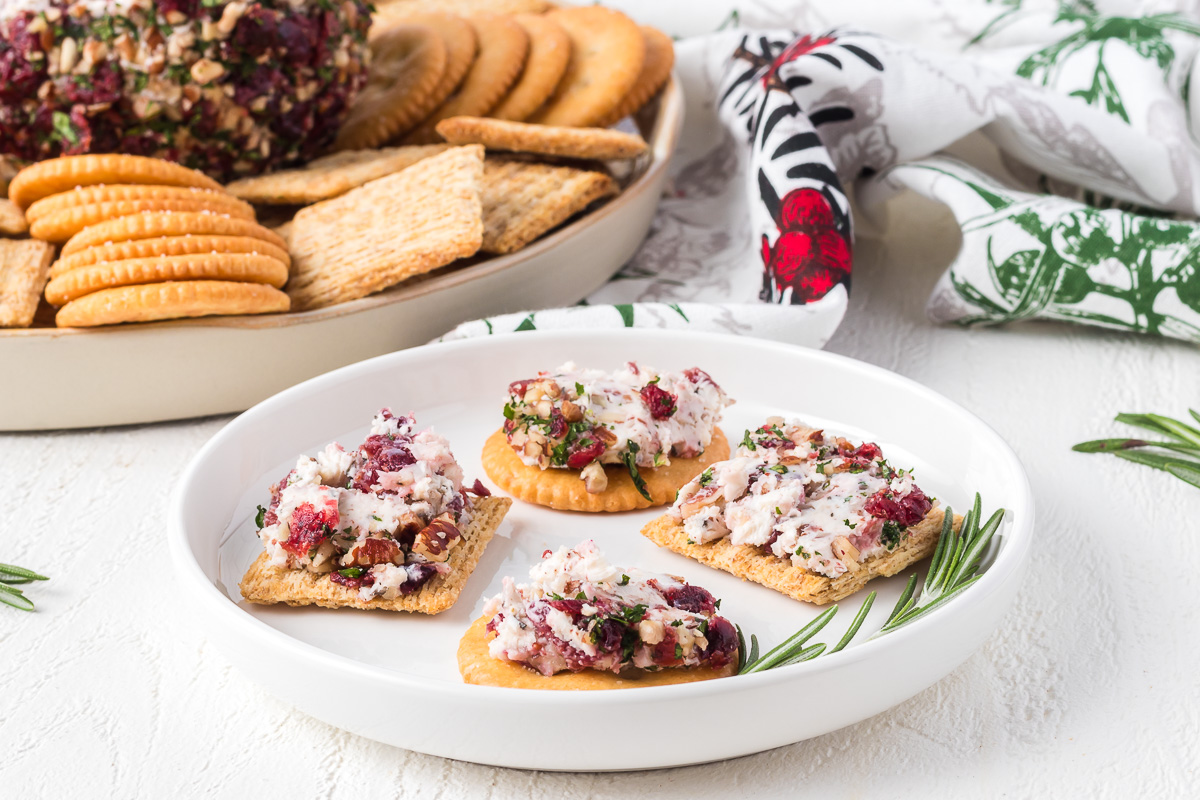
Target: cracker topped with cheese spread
x,y
583,623
387,525
591,440
809,514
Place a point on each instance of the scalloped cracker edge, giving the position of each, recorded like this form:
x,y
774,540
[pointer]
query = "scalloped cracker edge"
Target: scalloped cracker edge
x,y
478,667
563,489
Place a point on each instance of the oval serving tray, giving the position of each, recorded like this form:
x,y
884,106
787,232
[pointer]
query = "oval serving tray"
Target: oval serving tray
x,y
72,377
406,664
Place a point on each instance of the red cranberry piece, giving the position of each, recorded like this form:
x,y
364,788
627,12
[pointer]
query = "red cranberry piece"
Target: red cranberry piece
x,y
479,490
907,510
418,576
609,635
722,642
558,424
691,598
660,401
366,579
518,388
868,451
663,653
573,608
585,450
698,376
309,527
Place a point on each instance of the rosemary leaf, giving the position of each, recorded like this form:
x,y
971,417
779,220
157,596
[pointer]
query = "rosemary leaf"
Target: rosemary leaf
x,y
15,599
14,575
1156,460
792,645
1110,445
1185,473
21,572
856,624
906,596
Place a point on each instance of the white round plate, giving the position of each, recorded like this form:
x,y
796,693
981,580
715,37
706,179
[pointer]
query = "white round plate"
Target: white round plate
x,y
393,677
214,365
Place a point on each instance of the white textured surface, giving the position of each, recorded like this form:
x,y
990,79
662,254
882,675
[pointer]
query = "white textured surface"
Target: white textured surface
x,y
1089,689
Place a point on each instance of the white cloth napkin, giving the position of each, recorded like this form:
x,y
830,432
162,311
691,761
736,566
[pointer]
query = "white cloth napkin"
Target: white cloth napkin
x,y
1076,199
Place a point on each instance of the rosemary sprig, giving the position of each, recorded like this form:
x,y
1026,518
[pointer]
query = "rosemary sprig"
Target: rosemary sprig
x,y
1181,437
11,576
953,568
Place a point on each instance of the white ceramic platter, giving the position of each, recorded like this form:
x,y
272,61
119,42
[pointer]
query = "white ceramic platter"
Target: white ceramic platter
x,y
393,677
73,377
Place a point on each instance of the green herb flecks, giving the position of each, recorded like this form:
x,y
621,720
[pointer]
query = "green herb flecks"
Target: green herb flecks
x,y
630,458
260,518
1180,437
12,576
64,128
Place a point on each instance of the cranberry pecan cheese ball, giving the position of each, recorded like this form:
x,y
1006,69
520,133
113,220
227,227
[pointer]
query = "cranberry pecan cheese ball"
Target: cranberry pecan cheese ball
x,y
805,512
590,440
583,623
229,88
388,525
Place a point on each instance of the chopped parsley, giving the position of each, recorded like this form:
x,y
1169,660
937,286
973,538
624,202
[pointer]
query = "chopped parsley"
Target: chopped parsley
x,y
748,442
624,580
892,531
581,596
509,411
377,519
631,615
351,572
579,392
706,477
630,459
850,525
260,517
678,650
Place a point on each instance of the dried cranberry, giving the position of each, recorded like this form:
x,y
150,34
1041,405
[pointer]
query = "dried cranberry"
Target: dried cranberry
x,y
573,608
691,598
609,635
309,527
518,388
366,579
907,510
188,8
722,642
418,576
660,401
585,450
697,376
868,451
381,454
301,38
479,490
663,653
558,424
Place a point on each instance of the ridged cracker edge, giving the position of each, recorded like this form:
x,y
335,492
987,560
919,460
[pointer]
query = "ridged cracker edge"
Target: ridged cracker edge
x,y
267,585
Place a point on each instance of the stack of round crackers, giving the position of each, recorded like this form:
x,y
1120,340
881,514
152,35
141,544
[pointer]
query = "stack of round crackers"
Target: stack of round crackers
x,y
580,66
145,239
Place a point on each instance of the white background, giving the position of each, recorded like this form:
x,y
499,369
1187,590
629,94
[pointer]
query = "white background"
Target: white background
x,y
1090,688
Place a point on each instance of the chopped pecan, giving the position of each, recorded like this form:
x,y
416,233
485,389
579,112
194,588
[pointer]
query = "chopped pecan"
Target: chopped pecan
x,y
435,540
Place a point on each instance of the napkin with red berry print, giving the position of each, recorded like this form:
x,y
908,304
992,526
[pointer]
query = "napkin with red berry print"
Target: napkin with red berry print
x,y
1081,207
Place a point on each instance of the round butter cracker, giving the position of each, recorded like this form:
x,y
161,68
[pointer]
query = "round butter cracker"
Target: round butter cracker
x,y
563,489
477,666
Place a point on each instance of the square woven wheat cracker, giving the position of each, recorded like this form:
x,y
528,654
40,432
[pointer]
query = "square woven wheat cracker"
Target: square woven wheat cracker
x,y
523,200
24,270
266,584
330,176
750,564
408,223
